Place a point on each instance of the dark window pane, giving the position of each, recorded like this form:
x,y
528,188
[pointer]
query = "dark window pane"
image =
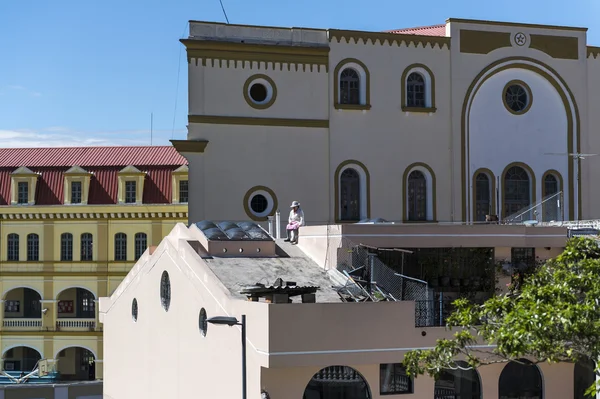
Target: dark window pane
x,y
141,243
33,247
483,205
87,246
183,191
66,247
393,379
417,196
13,247
415,90
516,192
23,192
121,246
76,192
130,192
350,195
349,87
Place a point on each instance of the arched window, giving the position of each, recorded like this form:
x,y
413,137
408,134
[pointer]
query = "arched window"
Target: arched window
x,y
417,196
462,383
517,192
121,246
483,197
551,198
583,378
349,87
87,246
141,243
33,247
415,90
12,244
350,195
521,380
336,382
66,247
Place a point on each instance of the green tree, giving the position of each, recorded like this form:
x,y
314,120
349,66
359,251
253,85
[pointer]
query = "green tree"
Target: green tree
x,y
552,316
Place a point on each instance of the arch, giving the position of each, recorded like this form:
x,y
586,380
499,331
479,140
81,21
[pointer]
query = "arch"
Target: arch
x,y
550,208
6,291
77,286
25,346
583,378
532,185
522,380
364,84
76,346
431,190
492,189
269,195
325,384
571,110
463,382
365,188
429,79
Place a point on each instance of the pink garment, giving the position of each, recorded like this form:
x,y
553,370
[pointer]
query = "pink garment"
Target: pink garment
x,y
293,226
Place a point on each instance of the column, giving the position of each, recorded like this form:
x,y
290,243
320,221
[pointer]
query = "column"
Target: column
x,y
1,314
49,316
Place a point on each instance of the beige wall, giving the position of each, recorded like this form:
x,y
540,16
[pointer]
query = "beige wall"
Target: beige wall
x,y
591,144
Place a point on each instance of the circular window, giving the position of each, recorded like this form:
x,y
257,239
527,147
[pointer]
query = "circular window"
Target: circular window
x,y
134,309
203,322
259,203
517,97
260,91
165,291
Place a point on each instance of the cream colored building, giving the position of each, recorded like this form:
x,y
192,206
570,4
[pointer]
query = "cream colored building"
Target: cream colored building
x,y
447,123
158,342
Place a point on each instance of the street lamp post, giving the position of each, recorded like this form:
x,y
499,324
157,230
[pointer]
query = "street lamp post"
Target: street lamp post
x,y
232,321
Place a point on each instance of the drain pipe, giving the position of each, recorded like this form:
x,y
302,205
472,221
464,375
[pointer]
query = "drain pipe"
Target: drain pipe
x,y
278,224
270,218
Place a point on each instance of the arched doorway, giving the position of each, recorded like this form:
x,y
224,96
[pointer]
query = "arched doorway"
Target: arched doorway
x,y
22,308
350,195
337,382
583,378
462,383
520,380
76,308
20,359
76,364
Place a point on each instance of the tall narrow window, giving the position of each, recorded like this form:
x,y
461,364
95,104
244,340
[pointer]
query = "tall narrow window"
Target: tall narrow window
x,y
130,192
551,204
415,90
86,305
483,204
66,247
22,192
141,243
350,195
349,87
517,191
120,246
76,192
33,248
87,246
183,191
12,242
417,196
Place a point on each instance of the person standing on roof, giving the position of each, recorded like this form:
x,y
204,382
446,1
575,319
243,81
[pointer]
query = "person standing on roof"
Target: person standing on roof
x,y
295,221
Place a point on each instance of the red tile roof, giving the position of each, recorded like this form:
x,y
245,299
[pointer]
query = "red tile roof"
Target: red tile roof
x,y
433,30
90,156
103,162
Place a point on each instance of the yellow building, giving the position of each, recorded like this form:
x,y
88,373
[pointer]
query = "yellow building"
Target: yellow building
x,y
73,221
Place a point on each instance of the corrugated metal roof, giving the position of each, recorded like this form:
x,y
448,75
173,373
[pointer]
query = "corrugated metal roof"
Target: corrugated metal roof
x,y
433,30
103,185
90,156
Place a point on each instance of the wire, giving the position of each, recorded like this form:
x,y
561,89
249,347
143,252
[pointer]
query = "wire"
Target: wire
x,y
177,86
224,13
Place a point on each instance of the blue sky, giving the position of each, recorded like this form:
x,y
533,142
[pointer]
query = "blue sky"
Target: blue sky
x,y
91,72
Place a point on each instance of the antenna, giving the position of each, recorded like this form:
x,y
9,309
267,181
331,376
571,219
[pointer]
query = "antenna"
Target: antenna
x,y
575,155
151,126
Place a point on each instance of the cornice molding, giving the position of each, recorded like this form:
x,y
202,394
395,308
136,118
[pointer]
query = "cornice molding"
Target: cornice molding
x,y
94,215
593,52
388,38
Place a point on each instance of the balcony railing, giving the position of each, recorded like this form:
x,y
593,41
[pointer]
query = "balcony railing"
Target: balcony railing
x,y
21,323
432,313
79,324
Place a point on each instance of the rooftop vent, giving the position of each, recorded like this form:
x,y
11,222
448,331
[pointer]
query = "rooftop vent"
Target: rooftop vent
x,y
280,292
241,239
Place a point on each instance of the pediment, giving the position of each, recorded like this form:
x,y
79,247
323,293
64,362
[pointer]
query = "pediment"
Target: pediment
x,y
24,171
181,170
130,170
77,170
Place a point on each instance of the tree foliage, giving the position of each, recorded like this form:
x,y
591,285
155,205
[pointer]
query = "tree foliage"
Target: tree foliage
x,y
552,316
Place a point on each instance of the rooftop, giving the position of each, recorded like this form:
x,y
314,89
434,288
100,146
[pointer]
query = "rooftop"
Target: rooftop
x,y
433,30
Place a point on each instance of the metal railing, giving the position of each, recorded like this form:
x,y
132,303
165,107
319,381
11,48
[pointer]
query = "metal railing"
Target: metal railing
x,y
76,323
22,322
432,313
549,209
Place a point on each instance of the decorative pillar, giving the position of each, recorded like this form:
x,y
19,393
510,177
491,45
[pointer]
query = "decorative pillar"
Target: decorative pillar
x,y
49,316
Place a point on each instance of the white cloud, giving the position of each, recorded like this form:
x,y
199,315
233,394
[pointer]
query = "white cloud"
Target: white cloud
x,y
58,136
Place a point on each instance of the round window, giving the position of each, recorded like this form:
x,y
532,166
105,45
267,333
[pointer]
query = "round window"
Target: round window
x,y
260,91
203,322
165,291
259,203
134,309
517,97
